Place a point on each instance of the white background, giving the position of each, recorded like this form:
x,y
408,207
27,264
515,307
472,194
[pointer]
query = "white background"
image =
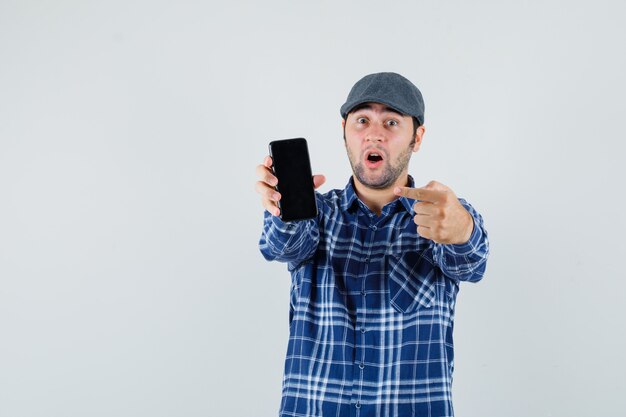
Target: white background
x,y
130,278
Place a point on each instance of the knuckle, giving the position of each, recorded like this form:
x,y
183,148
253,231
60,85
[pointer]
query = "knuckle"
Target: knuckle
x,y
269,206
261,172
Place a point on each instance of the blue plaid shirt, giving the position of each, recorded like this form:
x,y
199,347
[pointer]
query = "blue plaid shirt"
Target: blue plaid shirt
x,y
372,308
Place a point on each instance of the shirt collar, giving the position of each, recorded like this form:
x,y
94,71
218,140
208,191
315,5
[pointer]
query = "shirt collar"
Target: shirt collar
x,y
350,198
408,202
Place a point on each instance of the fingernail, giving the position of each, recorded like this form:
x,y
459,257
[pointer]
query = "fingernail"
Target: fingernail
x,y
397,190
275,196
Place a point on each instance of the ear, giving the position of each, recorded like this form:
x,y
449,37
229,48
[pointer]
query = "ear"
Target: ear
x,y
343,123
419,135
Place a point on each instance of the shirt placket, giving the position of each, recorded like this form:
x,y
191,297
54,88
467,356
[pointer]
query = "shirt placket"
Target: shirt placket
x,y
361,325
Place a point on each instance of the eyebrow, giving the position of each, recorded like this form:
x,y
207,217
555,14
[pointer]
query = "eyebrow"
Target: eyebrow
x,y
366,106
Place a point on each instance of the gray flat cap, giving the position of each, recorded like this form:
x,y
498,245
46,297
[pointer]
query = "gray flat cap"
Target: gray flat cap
x,y
386,88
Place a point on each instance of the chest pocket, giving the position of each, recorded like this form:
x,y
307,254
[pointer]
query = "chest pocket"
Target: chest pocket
x,y
411,281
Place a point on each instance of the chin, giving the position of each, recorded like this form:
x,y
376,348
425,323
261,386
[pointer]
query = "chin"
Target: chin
x,y
377,184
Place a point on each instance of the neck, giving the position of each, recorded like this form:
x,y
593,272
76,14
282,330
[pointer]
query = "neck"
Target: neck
x,y
377,198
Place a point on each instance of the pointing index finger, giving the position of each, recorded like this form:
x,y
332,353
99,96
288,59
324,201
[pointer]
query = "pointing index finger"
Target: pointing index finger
x,y
421,194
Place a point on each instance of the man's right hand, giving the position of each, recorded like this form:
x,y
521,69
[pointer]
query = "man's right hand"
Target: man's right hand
x,y
265,187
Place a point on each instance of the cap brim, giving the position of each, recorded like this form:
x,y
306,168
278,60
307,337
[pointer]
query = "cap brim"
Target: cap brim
x,y
348,107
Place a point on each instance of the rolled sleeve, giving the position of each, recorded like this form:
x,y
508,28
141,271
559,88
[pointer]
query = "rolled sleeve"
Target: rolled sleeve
x,y
288,241
466,261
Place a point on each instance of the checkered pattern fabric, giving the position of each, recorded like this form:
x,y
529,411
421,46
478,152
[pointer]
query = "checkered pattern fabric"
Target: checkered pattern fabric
x,y
372,309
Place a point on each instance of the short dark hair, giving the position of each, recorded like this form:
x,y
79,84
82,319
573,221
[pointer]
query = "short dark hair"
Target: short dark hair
x,y
416,124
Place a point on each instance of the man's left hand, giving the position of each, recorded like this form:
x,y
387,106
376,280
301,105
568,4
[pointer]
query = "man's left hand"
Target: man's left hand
x,y
439,215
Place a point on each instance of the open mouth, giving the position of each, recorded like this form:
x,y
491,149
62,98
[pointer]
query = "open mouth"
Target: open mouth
x,y
373,158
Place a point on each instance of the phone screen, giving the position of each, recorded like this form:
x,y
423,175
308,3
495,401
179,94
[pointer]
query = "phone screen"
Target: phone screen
x,y
292,167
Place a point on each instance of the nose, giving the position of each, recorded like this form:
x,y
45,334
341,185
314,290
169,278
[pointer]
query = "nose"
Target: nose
x,y
375,134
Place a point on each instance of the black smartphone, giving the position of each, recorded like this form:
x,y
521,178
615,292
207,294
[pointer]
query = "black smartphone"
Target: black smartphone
x,y
292,167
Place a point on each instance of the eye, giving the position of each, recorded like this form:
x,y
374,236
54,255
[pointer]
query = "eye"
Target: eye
x,y
392,122
361,120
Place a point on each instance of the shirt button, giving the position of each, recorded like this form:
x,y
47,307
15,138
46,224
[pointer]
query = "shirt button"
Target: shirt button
x,y
367,259
373,227
362,292
362,329
361,365
358,404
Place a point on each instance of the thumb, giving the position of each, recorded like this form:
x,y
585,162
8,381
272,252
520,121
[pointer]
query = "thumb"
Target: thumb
x,y
437,186
318,180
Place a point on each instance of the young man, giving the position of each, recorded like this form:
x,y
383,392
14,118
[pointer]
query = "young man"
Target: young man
x,y
376,274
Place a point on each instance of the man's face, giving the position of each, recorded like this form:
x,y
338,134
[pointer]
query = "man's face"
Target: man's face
x,y
379,142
